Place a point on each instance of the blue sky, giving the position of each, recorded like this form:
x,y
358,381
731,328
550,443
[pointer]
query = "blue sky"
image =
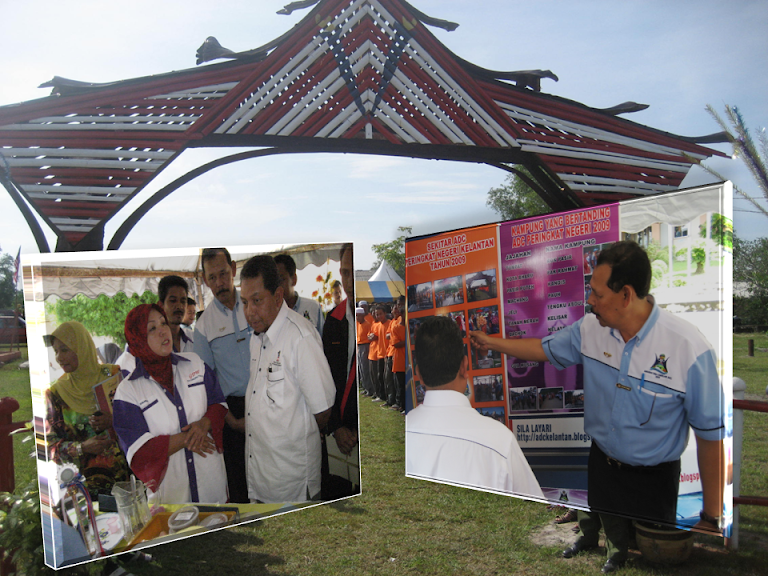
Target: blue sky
x,y
675,56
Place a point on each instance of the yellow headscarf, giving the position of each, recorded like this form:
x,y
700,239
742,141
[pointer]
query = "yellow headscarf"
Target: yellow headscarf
x,y
76,388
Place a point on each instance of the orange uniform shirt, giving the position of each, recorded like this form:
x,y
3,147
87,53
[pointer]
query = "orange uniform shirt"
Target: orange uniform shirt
x,y
362,332
398,335
373,351
381,344
390,347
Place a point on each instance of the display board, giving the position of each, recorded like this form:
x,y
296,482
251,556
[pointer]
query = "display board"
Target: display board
x,y
530,278
76,527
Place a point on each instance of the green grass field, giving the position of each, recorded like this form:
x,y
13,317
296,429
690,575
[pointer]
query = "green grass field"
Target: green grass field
x,y
404,526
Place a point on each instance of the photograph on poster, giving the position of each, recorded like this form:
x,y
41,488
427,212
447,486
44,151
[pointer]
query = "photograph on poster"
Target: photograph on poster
x,y
590,259
138,411
485,360
448,292
488,388
485,319
523,399
587,293
556,270
495,412
420,297
418,391
481,285
460,320
574,399
550,398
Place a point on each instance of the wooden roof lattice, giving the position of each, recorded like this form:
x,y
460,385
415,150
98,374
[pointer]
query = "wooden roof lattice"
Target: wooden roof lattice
x,y
358,76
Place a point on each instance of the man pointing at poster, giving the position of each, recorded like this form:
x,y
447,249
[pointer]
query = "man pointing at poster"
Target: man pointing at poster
x,y
648,375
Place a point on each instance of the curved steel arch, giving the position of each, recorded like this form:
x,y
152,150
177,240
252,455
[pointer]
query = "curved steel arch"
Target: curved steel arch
x,y
126,227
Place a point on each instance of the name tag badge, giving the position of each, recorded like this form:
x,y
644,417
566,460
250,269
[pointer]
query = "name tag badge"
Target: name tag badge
x,y
275,366
623,387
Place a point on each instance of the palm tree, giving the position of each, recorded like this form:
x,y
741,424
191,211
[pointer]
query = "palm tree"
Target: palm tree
x,y
744,147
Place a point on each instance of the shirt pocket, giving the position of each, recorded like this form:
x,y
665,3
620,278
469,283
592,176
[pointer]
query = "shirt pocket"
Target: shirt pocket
x,y
656,408
157,418
275,389
146,408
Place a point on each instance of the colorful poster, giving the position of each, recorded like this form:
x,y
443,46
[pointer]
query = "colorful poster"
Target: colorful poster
x,y
520,279
531,278
457,275
64,285
546,264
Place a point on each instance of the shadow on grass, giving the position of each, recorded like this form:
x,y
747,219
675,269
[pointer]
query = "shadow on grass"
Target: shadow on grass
x,y
230,551
348,507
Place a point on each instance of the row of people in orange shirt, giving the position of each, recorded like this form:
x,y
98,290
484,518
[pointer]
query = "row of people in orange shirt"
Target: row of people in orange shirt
x,y
381,352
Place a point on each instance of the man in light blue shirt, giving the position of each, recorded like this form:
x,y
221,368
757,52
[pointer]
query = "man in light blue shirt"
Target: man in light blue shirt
x,y
648,377
222,340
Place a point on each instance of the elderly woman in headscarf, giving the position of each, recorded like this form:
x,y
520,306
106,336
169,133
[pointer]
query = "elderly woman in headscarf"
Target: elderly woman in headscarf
x,y
77,432
169,414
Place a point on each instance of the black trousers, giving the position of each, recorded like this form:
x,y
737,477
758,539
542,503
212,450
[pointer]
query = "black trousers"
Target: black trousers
x,y
234,454
642,492
389,382
400,386
377,371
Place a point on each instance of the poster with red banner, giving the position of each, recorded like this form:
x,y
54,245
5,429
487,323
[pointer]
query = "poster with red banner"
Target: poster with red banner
x,y
457,275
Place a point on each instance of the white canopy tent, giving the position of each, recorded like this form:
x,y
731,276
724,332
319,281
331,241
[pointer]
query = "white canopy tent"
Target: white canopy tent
x,y
384,286
385,273
675,209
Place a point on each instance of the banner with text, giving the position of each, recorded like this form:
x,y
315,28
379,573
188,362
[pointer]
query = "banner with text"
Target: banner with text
x,y
547,263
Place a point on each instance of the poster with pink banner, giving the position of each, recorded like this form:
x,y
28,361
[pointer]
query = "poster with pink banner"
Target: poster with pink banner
x,y
531,278
547,264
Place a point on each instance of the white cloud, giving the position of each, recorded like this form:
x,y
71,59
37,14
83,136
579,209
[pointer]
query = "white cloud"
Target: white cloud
x,y
424,197
370,166
442,185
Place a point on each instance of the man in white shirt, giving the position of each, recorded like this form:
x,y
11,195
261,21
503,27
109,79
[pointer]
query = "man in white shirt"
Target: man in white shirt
x,y
445,438
290,392
306,307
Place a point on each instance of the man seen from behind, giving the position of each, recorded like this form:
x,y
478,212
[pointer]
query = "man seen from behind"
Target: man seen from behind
x,y
445,438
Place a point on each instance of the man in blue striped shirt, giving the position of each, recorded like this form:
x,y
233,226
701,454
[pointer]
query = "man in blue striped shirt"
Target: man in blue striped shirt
x,y
222,339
